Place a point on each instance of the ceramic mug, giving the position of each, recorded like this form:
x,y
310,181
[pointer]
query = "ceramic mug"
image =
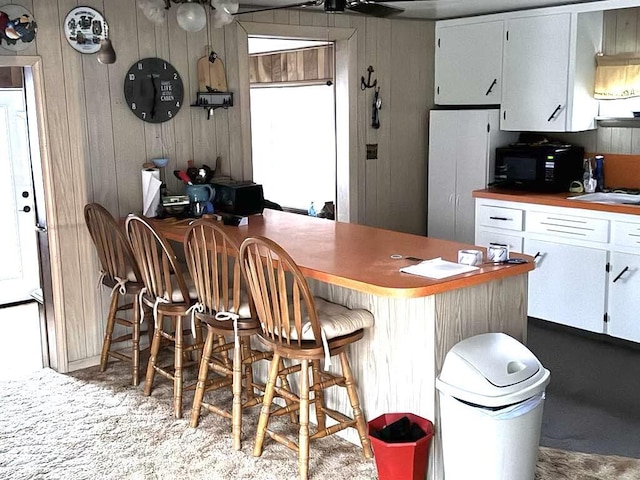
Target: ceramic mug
x,y
470,257
199,193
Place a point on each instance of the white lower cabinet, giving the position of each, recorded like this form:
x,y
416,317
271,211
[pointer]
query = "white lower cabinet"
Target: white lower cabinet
x,y
568,284
587,271
623,312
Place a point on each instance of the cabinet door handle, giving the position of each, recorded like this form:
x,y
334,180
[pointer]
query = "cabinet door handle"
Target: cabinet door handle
x,y
554,113
504,219
620,274
495,80
536,257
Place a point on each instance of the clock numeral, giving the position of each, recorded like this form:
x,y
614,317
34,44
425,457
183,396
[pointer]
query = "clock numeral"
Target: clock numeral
x,y
170,114
139,66
175,76
177,104
134,106
165,65
144,115
132,76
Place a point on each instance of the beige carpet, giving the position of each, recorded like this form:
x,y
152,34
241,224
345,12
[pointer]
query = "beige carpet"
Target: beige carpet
x,y
92,425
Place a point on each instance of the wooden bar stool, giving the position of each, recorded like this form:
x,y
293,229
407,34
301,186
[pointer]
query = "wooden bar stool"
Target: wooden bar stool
x,y
297,326
121,275
224,307
167,292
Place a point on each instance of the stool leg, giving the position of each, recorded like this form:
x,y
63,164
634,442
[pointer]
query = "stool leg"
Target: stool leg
x,y
285,384
303,436
153,357
352,391
177,374
318,395
108,334
236,411
247,372
203,373
135,348
266,405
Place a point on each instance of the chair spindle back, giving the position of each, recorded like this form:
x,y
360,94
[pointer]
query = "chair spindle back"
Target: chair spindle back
x,y
283,311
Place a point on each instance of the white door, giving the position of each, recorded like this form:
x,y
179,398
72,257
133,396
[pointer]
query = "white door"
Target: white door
x,y
19,275
568,284
441,190
468,64
536,73
624,301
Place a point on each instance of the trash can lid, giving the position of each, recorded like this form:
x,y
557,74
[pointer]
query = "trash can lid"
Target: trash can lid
x,y
491,366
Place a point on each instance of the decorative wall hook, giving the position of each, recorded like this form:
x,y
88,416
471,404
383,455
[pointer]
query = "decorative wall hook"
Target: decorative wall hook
x,y
364,85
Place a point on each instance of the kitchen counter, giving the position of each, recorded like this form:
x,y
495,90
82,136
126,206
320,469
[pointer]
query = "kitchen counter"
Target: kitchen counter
x,y
417,320
553,200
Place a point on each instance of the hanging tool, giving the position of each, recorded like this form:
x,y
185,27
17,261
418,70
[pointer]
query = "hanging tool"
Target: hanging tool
x,y
377,105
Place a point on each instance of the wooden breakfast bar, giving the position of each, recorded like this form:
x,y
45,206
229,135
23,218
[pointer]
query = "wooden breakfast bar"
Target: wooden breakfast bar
x,y
417,319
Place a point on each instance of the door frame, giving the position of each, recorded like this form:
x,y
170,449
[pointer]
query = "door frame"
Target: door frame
x,y
48,241
346,48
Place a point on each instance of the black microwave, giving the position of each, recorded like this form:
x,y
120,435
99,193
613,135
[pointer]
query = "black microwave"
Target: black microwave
x,y
544,168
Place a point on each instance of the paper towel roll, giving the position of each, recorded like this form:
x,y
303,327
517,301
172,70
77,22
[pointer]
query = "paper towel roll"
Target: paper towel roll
x,y
150,191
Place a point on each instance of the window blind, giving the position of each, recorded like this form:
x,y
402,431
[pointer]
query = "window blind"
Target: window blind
x,y
617,76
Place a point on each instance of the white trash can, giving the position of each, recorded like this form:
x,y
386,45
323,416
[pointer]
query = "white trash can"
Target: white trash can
x,y
491,392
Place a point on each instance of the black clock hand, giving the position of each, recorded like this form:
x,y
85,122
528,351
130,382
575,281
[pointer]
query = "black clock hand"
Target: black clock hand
x,y
155,95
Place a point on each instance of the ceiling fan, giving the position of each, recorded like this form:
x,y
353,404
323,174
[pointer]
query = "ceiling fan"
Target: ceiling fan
x,y
366,7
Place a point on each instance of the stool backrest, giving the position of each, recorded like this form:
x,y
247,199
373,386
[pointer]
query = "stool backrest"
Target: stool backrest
x,y
161,273
113,248
212,258
283,305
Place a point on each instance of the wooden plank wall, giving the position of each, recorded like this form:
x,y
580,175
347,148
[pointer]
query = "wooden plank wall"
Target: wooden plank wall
x,y
98,146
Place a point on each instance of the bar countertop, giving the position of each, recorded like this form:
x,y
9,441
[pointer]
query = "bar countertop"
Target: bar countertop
x,y
357,256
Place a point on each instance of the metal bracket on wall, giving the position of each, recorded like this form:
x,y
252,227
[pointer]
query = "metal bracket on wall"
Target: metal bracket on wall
x,y
212,100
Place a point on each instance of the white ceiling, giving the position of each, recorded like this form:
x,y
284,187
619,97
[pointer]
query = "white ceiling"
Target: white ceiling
x,y
442,9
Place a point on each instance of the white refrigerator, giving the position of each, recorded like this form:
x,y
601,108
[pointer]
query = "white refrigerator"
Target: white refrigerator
x,y
462,147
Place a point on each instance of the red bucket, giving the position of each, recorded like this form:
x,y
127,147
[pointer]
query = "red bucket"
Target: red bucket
x,y
401,461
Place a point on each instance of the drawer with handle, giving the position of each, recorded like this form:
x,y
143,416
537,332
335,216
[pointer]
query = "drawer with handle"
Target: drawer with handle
x,y
569,226
627,234
500,217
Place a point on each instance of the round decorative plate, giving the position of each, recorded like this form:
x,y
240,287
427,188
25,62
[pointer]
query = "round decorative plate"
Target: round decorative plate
x,y
17,27
84,27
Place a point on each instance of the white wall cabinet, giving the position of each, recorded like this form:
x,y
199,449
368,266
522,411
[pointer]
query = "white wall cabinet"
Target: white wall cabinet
x,y
459,164
468,63
549,71
587,262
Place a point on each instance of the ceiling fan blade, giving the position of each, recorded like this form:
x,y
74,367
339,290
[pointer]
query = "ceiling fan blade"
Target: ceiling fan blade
x,y
374,9
308,3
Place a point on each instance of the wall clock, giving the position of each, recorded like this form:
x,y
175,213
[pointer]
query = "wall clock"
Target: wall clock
x,y
153,90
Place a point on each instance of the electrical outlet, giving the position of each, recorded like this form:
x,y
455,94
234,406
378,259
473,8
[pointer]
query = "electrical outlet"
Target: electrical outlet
x,y
372,151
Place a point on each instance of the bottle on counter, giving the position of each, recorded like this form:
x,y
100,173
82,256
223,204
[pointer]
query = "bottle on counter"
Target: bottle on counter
x,y
588,179
598,172
312,211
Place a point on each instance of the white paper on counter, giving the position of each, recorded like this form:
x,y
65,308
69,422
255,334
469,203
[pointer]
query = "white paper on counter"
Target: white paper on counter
x,y
437,268
150,191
